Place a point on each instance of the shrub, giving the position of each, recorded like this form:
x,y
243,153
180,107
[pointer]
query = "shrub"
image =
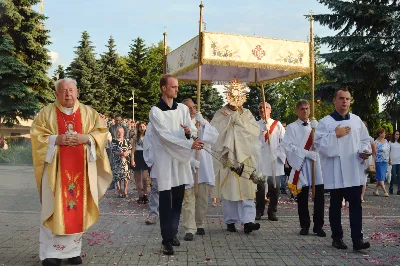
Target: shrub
x,y
19,152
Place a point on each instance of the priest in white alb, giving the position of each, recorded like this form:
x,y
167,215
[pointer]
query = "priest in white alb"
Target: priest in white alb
x,y
172,150
272,161
298,142
195,205
343,143
236,145
72,172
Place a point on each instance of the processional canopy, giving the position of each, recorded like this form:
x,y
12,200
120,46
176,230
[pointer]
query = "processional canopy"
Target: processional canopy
x,y
250,59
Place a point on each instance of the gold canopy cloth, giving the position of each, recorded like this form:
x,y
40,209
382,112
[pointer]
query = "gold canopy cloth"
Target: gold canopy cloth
x,y
97,174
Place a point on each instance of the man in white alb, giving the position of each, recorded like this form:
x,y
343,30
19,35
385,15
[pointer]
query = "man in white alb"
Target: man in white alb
x,y
194,209
272,161
298,146
172,150
149,159
343,143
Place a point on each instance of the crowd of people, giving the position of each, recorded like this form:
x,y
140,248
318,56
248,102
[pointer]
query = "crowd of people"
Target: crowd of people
x,y
233,157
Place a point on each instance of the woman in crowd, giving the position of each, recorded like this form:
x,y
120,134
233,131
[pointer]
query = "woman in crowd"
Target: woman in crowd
x,y
382,161
121,149
139,167
395,158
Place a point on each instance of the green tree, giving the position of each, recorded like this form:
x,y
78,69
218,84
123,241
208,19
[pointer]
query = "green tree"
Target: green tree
x,y
59,73
365,52
138,79
115,84
85,69
16,98
25,27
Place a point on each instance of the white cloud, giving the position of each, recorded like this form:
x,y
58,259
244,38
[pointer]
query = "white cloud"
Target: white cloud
x,y
54,56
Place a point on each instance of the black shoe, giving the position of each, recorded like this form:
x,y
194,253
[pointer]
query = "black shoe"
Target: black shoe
x,y
145,200
231,227
304,231
250,227
272,217
283,192
188,237
51,262
75,260
360,244
140,200
398,192
391,191
339,244
168,249
258,216
319,232
175,242
200,232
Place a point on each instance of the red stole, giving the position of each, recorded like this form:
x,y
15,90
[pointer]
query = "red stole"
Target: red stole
x,y
271,129
306,147
72,172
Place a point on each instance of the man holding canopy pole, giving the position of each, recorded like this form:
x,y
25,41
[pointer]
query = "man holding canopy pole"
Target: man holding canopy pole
x,y
272,162
236,145
172,149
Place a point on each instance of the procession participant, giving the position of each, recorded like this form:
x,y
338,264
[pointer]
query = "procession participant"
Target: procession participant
x,y
118,123
195,205
72,172
149,159
172,150
272,161
343,142
237,144
298,146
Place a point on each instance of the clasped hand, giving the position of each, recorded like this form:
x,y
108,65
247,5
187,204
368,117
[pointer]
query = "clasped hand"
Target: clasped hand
x,y
71,140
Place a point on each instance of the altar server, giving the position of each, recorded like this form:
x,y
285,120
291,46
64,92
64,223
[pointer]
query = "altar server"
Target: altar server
x,y
298,146
343,142
172,150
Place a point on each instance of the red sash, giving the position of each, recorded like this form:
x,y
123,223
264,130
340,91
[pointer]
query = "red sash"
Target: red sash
x,y
271,129
72,168
297,173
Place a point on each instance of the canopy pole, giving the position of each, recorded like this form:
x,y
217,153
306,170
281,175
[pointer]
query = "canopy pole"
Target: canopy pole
x,y
312,62
165,52
199,56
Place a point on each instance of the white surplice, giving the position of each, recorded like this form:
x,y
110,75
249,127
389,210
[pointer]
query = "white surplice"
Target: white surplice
x,y
295,139
340,161
60,246
147,146
171,149
209,135
274,157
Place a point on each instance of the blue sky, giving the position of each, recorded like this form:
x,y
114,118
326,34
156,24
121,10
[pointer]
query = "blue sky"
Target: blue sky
x,y
126,20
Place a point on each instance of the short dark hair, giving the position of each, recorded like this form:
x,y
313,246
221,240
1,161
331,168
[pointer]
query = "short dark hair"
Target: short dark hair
x,y
341,89
302,102
164,79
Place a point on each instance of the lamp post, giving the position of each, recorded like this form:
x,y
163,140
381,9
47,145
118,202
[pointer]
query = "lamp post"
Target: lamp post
x,y
133,105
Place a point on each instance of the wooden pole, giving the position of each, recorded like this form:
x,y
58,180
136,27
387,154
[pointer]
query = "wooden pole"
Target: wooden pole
x,y
196,180
165,52
312,61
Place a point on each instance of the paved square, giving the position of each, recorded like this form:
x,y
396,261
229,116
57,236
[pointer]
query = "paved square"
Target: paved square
x,y
120,237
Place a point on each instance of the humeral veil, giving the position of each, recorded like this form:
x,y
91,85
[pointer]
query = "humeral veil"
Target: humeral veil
x,y
74,180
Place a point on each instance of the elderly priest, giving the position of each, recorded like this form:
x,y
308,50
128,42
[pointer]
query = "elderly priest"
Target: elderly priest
x,y
72,172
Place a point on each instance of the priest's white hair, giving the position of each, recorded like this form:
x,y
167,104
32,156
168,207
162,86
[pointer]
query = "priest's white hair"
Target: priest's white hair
x,y
58,82
266,105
